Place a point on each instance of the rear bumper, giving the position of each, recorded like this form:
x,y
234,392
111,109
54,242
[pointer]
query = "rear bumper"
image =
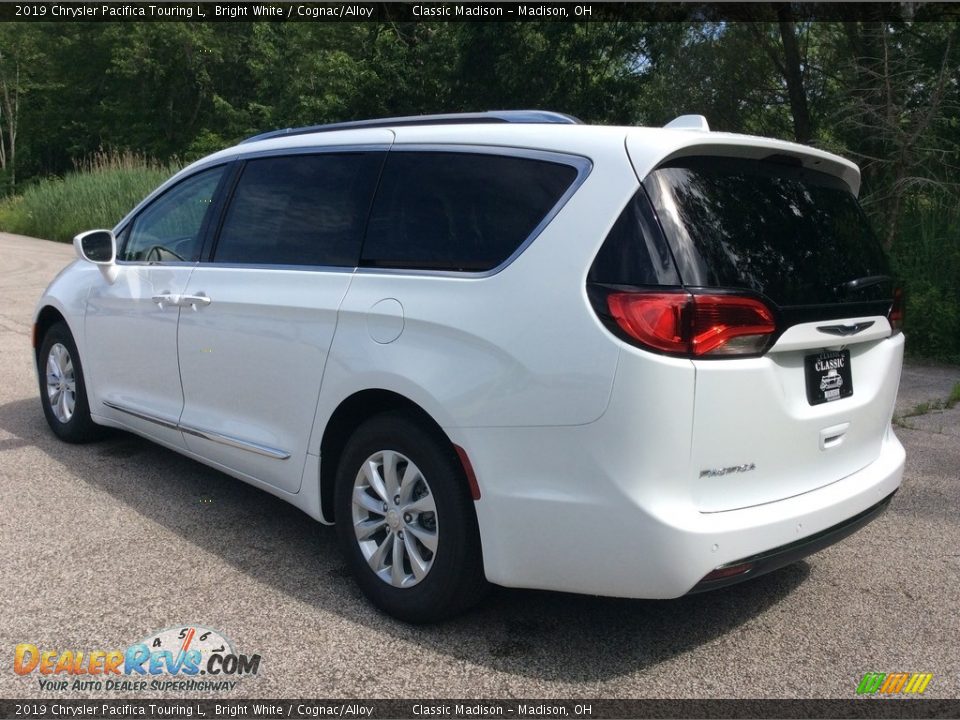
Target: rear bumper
x,y
613,507
779,557
566,509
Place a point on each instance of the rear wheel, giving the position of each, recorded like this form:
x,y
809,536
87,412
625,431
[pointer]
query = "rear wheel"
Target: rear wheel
x,y
406,521
63,393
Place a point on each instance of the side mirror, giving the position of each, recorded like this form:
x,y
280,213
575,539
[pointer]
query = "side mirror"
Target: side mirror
x,y
96,246
100,248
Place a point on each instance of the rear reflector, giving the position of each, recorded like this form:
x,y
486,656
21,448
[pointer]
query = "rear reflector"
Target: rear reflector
x,y
468,471
694,325
729,571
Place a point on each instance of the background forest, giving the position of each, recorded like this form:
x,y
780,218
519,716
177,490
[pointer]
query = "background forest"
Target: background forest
x,y
93,116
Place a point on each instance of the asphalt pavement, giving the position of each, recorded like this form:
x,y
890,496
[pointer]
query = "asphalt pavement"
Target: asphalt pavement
x,y
101,545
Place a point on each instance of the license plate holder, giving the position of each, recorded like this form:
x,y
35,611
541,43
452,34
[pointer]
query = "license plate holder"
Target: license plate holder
x,y
829,376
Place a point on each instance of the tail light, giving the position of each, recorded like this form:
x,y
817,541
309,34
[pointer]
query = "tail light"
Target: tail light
x,y
895,316
694,325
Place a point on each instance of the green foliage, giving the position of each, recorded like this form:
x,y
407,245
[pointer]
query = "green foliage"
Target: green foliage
x,y
954,397
103,189
880,91
929,406
932,323
926,258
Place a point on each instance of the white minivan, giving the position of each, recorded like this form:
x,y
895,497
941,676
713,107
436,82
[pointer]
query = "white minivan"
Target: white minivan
x,y
504,348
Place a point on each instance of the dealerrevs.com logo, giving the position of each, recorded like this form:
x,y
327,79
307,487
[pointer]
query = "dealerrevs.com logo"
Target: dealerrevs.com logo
x,y
183,658
894,683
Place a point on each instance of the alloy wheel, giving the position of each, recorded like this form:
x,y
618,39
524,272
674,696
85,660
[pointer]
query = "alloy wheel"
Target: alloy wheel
x,y
61,383
395,518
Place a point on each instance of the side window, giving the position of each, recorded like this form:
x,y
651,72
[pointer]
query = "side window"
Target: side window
x,y
170,228
300,210
459,211
635,251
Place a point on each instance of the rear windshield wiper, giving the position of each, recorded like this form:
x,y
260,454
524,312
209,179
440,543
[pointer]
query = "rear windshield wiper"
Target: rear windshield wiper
x,y
864,282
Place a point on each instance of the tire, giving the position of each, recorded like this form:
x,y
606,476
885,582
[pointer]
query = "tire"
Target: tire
x,y
63,393
426,503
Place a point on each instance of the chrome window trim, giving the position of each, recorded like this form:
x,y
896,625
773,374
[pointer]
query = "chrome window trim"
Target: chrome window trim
x,y
157,263
211,435
582,164
340,269
313,150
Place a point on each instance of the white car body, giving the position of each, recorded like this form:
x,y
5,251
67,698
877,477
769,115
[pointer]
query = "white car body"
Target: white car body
x,y
602,468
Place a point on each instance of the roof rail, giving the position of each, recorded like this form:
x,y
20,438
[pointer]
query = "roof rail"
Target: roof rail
x,y
491,116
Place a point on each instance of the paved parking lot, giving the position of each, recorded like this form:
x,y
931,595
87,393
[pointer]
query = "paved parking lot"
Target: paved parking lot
x,y
101,545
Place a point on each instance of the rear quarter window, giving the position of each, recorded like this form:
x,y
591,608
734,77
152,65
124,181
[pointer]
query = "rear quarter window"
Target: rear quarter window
x,y
459,211
634,253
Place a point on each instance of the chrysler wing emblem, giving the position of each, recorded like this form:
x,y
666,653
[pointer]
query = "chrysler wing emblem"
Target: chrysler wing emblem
x,y
845,330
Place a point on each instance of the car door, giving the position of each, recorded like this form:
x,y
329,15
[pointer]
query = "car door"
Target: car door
x,y
131,323
254,343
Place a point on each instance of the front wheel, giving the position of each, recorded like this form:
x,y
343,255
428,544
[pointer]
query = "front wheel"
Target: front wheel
x,y
63,393
406,521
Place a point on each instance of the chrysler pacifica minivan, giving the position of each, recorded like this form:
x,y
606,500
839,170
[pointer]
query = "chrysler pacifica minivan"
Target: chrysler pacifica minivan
x,y
504,348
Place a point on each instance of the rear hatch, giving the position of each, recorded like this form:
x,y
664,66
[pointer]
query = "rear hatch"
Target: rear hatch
x,y
807,398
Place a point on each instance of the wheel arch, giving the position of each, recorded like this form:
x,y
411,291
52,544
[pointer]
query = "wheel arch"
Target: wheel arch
x,y
47,317
352,412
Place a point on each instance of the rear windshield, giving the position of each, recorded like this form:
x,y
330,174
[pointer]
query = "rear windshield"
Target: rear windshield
x,y
795,235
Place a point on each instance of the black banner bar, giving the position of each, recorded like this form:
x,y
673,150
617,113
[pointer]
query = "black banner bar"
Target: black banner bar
x,y
284,11
439,709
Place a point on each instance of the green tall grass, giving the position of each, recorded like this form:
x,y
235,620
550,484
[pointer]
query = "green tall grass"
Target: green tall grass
x,y
101,190
926,258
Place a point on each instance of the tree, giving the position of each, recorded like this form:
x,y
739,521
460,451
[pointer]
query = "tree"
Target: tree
x,y
900,116
18,53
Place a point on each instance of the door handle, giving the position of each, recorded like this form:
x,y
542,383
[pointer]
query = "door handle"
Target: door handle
x,y
194,300
831,437
166,299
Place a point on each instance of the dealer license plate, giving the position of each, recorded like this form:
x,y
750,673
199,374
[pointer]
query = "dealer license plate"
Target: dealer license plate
x,y
829,376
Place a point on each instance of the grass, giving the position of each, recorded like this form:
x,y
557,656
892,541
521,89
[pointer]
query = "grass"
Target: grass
x,y
928,407
926,258
954,397
101,190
